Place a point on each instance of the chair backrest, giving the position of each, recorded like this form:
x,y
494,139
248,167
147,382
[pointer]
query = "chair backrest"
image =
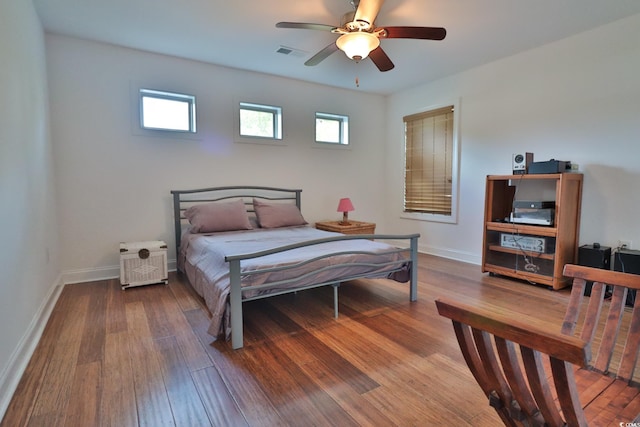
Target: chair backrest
x,y
497,346
604,319
512,359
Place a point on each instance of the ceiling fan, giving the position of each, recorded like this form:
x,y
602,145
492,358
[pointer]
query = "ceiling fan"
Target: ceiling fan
x,y
359,37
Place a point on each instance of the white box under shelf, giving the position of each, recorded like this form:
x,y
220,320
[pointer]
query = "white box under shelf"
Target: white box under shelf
x,y
143,263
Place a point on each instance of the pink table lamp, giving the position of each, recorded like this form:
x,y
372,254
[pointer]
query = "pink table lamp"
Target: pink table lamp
x,y
345,206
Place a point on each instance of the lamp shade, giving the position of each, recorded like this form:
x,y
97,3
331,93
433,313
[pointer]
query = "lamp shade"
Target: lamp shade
x,y
357,45
345,205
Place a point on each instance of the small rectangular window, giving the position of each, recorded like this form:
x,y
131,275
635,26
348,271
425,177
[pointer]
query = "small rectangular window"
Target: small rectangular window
x,y
332,129
167,111
260,121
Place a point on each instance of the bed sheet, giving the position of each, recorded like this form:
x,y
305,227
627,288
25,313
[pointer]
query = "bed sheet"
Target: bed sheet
x,y
202,258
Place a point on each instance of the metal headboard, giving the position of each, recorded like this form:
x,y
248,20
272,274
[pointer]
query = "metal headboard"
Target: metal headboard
x,y
183,199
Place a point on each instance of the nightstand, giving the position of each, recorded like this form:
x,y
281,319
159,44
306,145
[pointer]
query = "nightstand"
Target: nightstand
x,y
143,263
354,227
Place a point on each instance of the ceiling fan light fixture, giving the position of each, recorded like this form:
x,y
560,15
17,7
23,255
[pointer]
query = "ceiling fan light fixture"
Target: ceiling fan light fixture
x,y
358,44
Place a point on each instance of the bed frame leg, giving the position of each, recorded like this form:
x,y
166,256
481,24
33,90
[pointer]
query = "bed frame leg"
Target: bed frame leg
x,y
413,293
235,299
335,300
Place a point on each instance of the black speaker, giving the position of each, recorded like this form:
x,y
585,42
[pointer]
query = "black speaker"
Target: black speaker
x,y
627,261
594,256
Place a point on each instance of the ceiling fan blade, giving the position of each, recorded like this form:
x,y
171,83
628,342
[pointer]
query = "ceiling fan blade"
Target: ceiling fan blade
x,y
380,58
424,33
305,26
368,10
322,55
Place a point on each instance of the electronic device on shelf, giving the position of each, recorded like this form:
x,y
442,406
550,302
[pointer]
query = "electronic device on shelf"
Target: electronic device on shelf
x,y
525,243
550,166
521,162
533,204
533,212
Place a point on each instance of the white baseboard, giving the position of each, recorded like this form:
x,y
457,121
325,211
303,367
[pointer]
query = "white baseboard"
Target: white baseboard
x,y
90,274
467,257
100,273
10,377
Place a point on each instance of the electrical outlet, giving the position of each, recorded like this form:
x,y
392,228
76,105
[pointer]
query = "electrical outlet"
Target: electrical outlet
x,y
626,244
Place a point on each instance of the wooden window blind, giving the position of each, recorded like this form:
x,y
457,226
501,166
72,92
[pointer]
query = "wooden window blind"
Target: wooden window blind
x,y
429,161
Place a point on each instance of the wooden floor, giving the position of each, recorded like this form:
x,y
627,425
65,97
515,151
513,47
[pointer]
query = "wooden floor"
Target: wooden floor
x,y
143,357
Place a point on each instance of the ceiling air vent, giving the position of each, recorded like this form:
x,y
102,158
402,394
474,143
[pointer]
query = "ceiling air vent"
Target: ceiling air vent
x,y
285,50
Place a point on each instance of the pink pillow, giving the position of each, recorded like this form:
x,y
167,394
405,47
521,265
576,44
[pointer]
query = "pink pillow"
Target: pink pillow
x,y
211,217
274,215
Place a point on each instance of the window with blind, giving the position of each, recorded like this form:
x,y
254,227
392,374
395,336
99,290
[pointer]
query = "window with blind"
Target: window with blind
x,y
431,164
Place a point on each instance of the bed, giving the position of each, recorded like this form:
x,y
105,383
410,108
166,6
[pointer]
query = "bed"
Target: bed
x,y
242,243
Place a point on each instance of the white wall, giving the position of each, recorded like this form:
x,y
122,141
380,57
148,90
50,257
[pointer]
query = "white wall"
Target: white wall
x,y
28,236
113,184
577,99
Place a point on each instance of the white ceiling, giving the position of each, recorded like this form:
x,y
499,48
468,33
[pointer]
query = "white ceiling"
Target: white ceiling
x,y
242,34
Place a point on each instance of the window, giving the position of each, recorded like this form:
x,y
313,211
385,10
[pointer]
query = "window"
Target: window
x,y
332,129
167,111
430,175
260,121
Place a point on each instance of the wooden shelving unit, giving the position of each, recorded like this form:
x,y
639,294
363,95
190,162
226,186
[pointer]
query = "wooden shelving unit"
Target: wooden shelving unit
x,y
559,241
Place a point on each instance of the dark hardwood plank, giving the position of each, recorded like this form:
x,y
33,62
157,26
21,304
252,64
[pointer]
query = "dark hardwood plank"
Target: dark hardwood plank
x,y
94,328
317,313
291,392
185,295
415,402
241,386
267,322
186,405
86,391
165,315
352,402
150,392
442,369
220,406
305,348
116,319
119,390
413,339
153,299
56,387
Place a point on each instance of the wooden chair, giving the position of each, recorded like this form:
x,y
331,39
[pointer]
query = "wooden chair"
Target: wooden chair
x,y
535,376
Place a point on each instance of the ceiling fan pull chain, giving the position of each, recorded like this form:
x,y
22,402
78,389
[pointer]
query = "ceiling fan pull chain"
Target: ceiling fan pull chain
x,y
357,82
